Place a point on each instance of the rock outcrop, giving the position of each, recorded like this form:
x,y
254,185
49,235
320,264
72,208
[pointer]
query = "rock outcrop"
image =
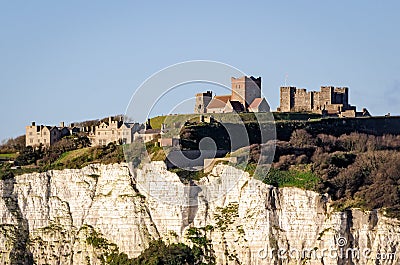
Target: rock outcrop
x,y
73,216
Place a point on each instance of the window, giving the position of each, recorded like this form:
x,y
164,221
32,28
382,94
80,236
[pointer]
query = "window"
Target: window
x,y
112,131
31,140
30,133
44,133
98,133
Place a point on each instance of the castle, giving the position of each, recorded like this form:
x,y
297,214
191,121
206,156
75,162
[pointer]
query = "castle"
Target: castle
x,y
328,101
245,97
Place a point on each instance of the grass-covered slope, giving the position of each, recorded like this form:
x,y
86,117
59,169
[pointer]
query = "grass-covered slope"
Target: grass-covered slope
x,y
70,152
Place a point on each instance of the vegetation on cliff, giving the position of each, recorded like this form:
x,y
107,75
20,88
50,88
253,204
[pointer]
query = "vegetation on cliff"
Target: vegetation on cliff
x,y
177,253
356,170
69,152
355,161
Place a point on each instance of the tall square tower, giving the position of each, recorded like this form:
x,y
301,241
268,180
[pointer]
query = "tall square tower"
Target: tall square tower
x,y
245,89
202,101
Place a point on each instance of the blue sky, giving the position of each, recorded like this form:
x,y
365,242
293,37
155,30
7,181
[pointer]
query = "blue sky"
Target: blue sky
x,y
77,60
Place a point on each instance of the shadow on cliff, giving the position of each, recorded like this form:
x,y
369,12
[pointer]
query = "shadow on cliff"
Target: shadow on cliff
x,y
19,254
190,210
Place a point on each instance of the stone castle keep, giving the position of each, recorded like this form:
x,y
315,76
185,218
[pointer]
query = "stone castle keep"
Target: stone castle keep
x,y
328,101
245,97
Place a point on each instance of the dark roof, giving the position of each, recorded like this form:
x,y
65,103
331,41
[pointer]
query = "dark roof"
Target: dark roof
x,y
150,131
237,106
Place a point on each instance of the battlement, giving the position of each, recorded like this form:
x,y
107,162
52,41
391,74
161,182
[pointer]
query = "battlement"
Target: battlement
x,y
329,100
204,94
202,100
246,80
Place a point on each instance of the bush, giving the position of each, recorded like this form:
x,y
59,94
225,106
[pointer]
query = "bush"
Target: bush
x,y
160,253
13,145
5,172
29,156
301,138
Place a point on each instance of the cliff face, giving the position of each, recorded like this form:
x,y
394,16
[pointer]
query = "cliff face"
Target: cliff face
x,y
74,216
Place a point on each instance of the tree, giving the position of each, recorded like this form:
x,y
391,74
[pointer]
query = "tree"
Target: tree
x,y
13,145
301,138
158,253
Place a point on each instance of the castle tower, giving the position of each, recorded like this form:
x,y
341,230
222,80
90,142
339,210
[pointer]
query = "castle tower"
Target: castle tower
x,y
341,96
202,101
245,89
287,99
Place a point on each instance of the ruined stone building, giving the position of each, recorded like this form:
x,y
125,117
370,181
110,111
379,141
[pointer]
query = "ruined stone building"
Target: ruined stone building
x,y
329,100
245,97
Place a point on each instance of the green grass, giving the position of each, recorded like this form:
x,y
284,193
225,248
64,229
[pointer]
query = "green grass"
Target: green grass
x,y
299,179
8,156
74,159
24,170
185,175
156,122
279,178
89,155
70,156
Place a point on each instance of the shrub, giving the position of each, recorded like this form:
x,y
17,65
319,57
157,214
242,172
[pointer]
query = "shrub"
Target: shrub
x,y
160,253
301,138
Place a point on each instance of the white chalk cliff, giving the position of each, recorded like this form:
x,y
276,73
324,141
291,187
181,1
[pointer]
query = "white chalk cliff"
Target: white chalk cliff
x,y
52,218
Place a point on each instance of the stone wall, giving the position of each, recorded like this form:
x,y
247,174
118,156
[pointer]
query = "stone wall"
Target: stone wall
x,y
337,126
330,99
